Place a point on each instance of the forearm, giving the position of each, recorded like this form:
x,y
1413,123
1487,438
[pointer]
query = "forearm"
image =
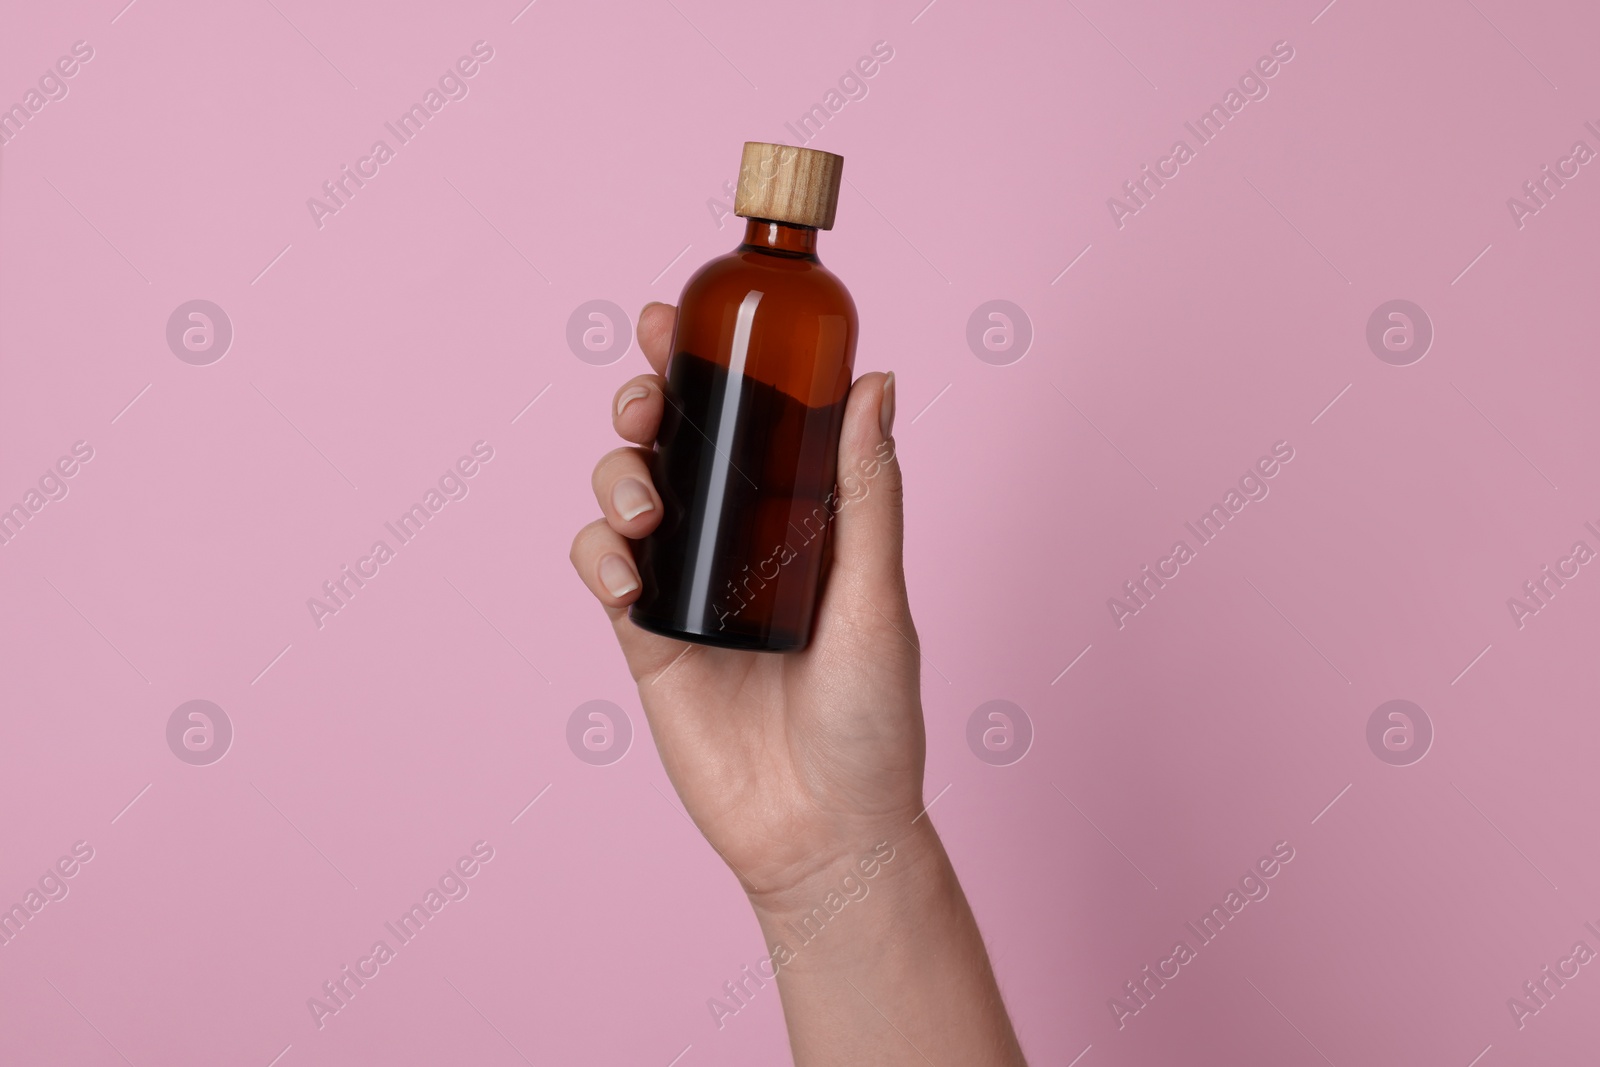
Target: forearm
x,y
898,974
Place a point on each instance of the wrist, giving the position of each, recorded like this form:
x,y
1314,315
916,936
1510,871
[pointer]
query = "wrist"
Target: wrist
x,y
901,861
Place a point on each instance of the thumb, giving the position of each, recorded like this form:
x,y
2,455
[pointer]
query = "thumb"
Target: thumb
x,y
870,530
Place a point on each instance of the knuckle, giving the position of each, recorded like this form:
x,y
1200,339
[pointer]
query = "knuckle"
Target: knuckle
x,y
581,542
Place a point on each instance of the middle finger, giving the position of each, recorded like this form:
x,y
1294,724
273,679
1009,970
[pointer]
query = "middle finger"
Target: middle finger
x,y
636,409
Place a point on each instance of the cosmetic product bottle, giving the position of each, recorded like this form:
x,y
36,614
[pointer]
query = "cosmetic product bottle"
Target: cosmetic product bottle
x,y
745,460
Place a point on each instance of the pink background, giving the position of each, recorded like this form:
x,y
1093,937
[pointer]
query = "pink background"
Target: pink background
x,y
370,353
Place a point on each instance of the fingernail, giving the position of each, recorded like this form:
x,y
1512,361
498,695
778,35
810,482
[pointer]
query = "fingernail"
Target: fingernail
x,y
631,499
638,392
886,411
617,576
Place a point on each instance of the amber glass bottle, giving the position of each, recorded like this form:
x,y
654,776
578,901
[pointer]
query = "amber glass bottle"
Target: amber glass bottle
x,y
756,385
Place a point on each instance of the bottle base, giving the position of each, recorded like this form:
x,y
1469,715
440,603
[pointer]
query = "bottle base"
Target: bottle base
x,y
770,642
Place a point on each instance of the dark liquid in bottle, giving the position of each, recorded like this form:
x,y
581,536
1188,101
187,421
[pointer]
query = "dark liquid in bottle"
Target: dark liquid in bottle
x,y
748,511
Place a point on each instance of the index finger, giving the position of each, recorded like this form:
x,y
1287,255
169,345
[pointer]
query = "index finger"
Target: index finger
x,y
656,321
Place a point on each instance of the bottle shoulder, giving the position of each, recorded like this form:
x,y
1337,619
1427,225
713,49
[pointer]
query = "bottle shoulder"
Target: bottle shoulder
x,y
801,278
799,334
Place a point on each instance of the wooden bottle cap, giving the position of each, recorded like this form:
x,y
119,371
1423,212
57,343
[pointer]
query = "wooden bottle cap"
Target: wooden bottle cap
x,y
799,186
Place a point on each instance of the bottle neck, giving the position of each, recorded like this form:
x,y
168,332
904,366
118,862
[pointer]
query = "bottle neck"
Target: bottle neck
x,y
764,235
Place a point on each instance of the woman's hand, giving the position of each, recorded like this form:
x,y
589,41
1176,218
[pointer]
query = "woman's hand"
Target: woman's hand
x,y
787,763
